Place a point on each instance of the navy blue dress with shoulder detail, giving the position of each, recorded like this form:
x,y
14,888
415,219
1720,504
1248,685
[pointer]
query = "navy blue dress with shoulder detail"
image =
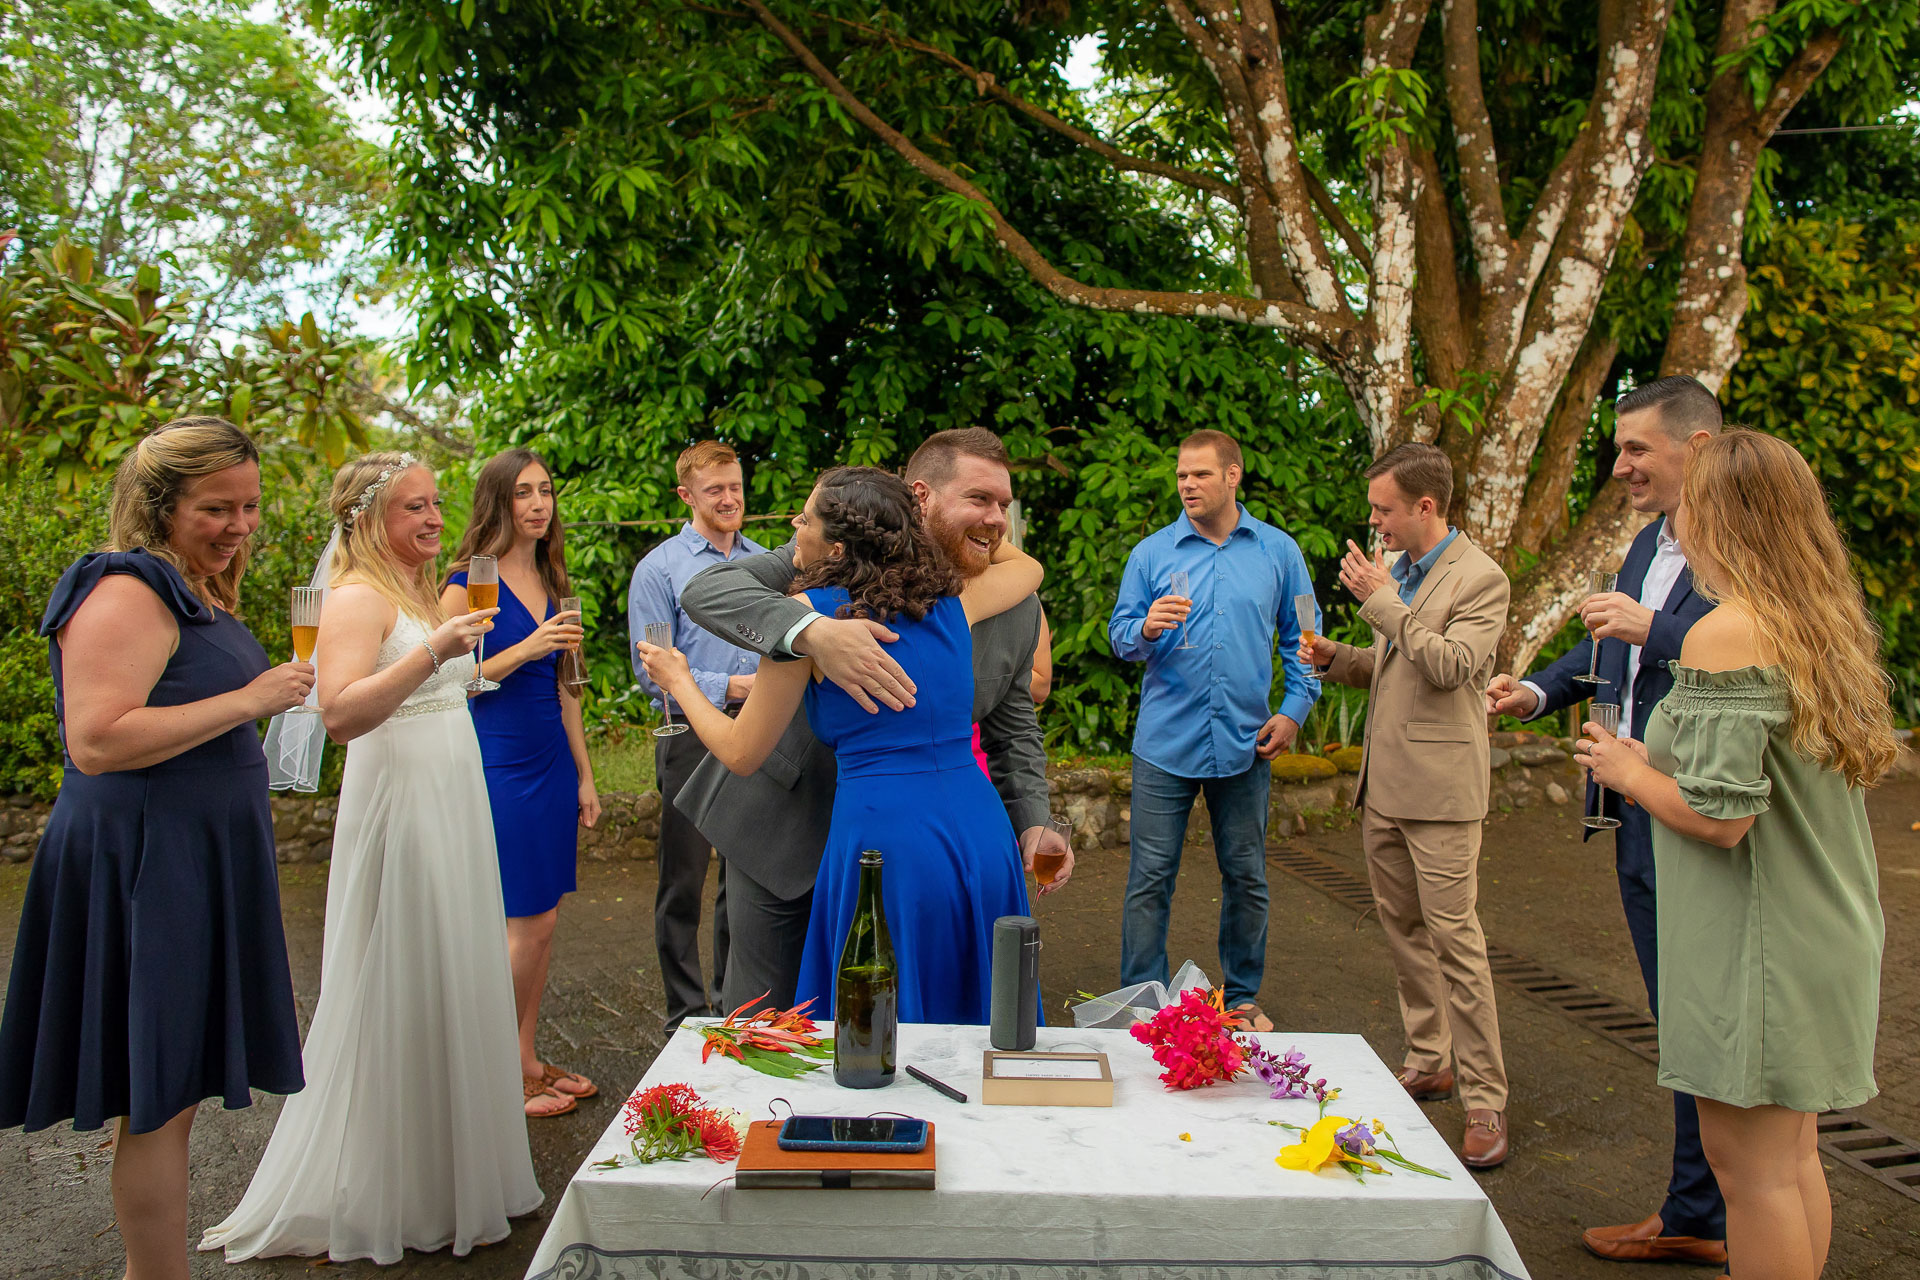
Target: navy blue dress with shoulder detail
x,y
150,970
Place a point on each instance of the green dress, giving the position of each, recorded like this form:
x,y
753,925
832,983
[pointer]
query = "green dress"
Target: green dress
x,y
1770,950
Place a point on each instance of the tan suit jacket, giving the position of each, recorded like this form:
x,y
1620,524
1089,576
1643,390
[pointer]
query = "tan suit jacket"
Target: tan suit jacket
x,y
1426,743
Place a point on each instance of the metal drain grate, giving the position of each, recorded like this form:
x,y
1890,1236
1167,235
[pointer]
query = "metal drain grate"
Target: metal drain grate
x,y
1846,1136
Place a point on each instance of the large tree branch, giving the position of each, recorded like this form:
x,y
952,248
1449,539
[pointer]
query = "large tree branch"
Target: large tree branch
x,y
1543,598
1323,201
1332,336
1545,508
1473,142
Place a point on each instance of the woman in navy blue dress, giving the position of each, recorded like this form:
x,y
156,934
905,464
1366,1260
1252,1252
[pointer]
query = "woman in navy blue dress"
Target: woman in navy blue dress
x,y
539,781
150,969
908,784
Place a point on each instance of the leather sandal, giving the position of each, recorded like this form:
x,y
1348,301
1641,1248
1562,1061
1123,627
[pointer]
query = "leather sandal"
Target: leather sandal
x,y
555,1077
534,1087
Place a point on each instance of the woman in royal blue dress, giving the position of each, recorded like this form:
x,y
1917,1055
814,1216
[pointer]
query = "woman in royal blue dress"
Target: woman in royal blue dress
x,y
908,784
150,970
539,781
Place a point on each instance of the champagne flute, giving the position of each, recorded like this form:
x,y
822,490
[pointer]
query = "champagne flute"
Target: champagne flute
x,y
1597,584
1179,587
483,592
305,616
1047,864
573,669
1607,716
1306,611
660,636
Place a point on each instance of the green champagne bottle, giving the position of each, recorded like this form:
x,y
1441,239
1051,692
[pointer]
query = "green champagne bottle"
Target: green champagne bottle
x,y
866,1000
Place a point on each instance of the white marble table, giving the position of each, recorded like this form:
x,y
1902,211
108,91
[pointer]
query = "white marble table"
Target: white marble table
x,y
1043,1193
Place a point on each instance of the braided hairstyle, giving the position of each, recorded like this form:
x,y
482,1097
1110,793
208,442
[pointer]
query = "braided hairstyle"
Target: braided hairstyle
x,y
888,563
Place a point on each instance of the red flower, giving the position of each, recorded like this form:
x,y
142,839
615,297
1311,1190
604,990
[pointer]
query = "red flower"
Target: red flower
x,y
1194,1040
718,1136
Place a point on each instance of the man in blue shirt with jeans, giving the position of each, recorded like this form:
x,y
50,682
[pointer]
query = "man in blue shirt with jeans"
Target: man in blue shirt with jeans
x,y
1204,726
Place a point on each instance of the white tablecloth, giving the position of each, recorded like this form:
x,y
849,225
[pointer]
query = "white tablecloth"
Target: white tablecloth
x,y
1069,1193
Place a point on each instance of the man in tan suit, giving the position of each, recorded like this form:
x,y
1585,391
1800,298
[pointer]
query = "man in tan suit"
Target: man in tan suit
x,y
1436,615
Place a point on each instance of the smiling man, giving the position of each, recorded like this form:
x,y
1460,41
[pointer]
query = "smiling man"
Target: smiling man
x,y
711,486
1205,727
1640,628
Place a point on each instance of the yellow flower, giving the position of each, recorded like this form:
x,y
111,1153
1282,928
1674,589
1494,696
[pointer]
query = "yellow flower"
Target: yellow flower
x,y
1186,1137
1316,1148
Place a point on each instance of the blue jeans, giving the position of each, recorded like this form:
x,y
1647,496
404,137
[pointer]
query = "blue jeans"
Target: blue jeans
x,y
1237,807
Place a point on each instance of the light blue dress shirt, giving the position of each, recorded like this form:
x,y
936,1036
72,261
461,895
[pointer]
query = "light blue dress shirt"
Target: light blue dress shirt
x,y
1201,708
655,597
1411,573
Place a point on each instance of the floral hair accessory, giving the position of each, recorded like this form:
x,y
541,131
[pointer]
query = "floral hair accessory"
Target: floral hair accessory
x,y
365,500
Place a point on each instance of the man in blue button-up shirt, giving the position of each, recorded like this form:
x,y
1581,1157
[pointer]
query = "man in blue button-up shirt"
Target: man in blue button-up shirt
x,y
1204,726
710,485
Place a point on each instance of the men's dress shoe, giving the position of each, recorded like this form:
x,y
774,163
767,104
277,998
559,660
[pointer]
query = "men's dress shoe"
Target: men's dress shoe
x,y
1486,1142
1427,1086
1646,1241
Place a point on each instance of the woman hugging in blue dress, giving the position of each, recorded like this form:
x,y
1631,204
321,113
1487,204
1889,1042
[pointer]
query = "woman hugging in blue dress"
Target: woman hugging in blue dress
x,y
539,781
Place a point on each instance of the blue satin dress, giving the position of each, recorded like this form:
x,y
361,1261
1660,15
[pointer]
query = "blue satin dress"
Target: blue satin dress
x,y
532,784
150,970
910,787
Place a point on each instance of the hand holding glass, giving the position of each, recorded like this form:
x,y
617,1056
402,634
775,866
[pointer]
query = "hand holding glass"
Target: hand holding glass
x,y
1597,584
1306,611
660,636
1607,716
1179,586
483,592
573,668
1046,862
305,617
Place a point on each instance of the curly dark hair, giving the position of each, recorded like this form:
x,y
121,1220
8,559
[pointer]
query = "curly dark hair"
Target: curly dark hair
x,y
888,563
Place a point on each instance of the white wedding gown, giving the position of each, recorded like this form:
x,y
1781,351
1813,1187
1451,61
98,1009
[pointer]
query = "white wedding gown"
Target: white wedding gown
x,y
409,1133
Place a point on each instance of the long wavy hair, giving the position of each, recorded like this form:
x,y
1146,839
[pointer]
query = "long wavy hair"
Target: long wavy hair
x,y
150,482
364,554
490,530
1760,537
888,562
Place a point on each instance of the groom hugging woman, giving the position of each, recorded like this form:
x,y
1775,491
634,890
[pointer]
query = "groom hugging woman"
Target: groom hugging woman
x,y
900,618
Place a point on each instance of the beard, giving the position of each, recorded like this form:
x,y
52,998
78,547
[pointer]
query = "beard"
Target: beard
x,y
955,542
726,523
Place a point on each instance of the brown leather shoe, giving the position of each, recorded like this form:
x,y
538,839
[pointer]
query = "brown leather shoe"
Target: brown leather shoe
x,y
1427,1086
1486,1142
1646,1241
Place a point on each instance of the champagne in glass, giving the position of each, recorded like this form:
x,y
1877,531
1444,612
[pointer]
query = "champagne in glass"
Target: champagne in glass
x,y
1046,863
1607,716
660,636
483,592
1306,611
573,669
1179,587
1596,585
305,617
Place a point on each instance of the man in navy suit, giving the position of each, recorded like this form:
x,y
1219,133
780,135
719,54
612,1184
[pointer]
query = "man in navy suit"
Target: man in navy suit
x,y
1640,627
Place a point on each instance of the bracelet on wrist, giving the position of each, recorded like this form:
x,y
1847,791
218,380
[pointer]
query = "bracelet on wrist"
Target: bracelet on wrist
x,y
431,656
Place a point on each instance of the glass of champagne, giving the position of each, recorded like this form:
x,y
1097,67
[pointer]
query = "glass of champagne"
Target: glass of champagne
x,y
1046,863
1179,586
660,636
1597,584
1607,716
483,592
305,616
573,669
1306,611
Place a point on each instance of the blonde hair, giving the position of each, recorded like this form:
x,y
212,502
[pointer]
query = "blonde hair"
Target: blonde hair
x,y
150,482
1757,528
362,492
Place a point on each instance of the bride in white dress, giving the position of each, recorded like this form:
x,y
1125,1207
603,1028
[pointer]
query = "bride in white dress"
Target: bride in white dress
x,y
410,1132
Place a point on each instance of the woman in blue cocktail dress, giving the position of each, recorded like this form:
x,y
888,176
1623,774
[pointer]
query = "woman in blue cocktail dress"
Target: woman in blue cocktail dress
x,y
908,783
539,781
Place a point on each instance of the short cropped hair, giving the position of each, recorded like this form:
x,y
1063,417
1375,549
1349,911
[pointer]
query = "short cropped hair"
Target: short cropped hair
x,y
1684,404
698,457
1421,471
933,462
1224,447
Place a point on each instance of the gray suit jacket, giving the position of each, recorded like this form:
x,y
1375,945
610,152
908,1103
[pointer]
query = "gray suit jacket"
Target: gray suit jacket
x,y
773,825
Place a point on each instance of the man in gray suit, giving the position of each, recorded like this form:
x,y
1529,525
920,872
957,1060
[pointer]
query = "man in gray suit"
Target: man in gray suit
x,y
771,827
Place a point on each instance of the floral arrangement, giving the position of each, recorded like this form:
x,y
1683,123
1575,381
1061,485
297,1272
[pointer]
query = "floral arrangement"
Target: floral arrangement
x,y
1347,1144
670,1122
1195,1040
1286,1075
777,1042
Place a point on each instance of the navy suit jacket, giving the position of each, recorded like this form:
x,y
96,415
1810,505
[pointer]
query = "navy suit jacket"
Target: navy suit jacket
x,y
1671,622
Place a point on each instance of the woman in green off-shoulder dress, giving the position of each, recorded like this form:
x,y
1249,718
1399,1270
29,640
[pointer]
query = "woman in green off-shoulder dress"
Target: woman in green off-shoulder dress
x,y
1754,770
